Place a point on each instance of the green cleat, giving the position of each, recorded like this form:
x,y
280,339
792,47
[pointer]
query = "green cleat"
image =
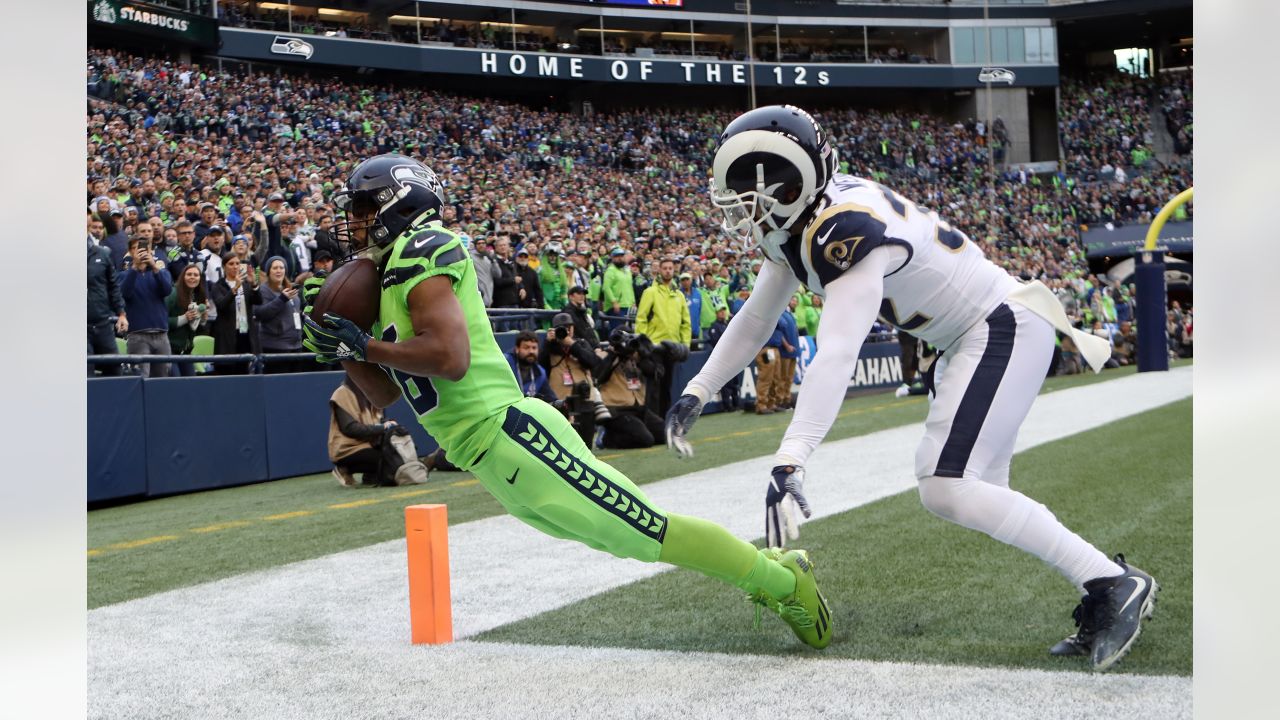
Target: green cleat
x,y
805,610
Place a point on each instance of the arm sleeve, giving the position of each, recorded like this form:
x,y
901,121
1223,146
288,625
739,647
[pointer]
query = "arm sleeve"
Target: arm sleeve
x,y
584,354
544,392
164,284
853,301
686,324
643,310
750,328
128,282
352,428
113,288
607,292
268,310
500,278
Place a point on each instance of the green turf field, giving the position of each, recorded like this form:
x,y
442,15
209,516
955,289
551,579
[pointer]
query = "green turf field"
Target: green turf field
x,y
906,586
148,547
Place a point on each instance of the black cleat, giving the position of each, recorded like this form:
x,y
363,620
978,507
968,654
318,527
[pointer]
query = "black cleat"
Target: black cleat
x,y
1070,646
1109,618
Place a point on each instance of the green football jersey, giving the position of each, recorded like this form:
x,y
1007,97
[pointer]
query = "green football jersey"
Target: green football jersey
x,y
462,416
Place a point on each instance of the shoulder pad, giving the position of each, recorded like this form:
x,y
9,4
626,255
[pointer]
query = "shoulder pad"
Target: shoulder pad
x,y
425,243
839,237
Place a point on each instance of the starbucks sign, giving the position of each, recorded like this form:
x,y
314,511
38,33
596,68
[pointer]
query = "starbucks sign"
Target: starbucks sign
x,y
152,20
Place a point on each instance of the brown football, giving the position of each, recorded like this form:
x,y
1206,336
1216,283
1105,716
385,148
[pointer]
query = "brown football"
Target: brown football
x,y
352,291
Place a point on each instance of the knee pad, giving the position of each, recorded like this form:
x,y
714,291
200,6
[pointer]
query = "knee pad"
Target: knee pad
x,y
938,495
952,499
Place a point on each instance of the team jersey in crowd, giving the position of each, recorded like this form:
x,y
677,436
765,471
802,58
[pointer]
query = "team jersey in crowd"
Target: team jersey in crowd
x,y
945,285
464,415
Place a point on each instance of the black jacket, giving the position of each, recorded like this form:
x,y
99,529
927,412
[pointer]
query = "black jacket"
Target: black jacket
x,y
505,294
583,327
224,328
580,350
105,300
532,288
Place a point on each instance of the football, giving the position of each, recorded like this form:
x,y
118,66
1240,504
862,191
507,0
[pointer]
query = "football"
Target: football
x,y
352,291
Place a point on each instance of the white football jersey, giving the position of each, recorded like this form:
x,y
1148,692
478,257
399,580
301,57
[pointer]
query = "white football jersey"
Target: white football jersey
x,y
945,286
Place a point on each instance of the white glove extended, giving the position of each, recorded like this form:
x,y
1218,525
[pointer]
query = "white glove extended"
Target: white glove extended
x,y
781,502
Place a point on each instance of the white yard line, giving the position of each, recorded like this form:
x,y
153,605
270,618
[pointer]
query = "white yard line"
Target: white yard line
x,y
329,637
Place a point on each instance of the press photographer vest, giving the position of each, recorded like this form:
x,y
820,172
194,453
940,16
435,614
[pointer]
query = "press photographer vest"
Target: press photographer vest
x,y
625,386
566,363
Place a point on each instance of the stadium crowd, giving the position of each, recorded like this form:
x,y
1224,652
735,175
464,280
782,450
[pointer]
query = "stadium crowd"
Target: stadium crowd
x,y
209,168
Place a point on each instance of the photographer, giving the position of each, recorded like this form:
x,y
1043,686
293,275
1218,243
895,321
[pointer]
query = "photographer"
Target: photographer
x,y
362,440
627,365
569,362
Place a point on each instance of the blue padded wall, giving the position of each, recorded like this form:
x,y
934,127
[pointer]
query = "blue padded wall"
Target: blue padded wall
x,y
205,432
297,408
117,440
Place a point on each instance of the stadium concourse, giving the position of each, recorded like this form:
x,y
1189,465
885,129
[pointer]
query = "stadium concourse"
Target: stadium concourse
x,y
328,637
166,138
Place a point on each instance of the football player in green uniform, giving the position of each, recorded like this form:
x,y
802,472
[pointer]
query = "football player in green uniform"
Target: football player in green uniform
x,y
432,344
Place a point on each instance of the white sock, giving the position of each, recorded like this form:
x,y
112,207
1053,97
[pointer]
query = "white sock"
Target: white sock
x,y
1017,520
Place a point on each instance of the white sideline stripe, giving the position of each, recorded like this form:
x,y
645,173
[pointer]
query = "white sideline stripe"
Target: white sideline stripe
x,y
303,636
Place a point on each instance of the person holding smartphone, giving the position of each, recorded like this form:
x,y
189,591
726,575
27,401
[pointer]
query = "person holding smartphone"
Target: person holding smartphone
x,y
145,286
279,316
235,331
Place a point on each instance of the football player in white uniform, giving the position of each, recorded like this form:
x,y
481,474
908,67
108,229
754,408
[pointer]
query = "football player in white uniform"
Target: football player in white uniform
x,y
868,251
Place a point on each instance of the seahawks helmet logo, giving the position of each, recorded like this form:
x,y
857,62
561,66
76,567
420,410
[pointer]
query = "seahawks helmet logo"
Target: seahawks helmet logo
x,y
416,175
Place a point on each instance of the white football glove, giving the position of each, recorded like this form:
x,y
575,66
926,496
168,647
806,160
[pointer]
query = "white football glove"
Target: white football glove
x,y
783,504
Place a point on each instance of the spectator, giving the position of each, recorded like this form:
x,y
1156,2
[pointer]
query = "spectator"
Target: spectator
x,y
529,289
617,292
695,300
790,355
584,326
184,253
105,308
145,287
188,308
769,373
325,240
322,263
362,440
731,392
211,252
663,315
298,260
208,219
555,276
116,236
235,330
714,297
1125,349
530,376
506,290
486,268
279,316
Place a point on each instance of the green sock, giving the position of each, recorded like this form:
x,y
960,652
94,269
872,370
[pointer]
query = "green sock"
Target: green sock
x,y
701,545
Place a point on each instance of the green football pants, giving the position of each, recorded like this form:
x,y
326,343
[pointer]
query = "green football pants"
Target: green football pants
x,y
543,474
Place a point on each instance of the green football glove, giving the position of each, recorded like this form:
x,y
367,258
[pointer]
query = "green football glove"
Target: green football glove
x,y
310,290
338,339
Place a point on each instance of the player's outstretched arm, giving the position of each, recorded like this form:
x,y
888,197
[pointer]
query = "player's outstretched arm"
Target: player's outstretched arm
x,y
852,302
439,346
851,306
